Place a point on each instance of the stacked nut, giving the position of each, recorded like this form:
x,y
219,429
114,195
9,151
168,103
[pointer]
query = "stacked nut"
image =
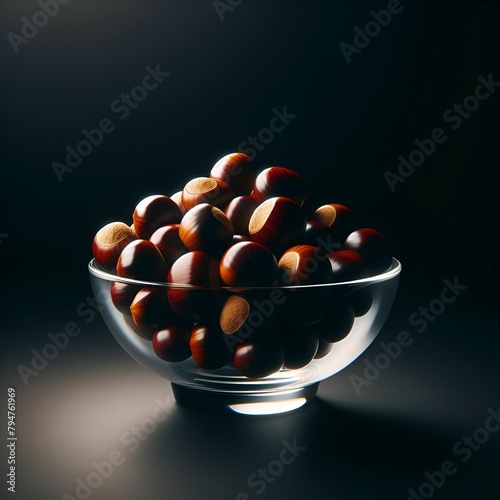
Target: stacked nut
x,y
230,261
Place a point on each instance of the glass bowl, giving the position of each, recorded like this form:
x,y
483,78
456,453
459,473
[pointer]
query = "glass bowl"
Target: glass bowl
x,y
297,309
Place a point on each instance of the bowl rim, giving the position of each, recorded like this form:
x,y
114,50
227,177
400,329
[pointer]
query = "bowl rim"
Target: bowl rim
x,y
98,272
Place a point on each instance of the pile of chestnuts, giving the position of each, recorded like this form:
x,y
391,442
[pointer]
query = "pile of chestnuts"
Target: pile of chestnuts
x,y
228,259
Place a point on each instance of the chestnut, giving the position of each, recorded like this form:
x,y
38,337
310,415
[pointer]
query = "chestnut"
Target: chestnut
x,y
360,299
195,268
248,264
122,295
347,265
324,348
150,307
169,243
153,212
299,349
177,198
145,332
172,343
202,272
257,360
205,227
277,223
337,325
234,313
304,265
340,218
141,260
208,347
239,211
109,242
242,318
316,232
238,170
279,181
206,190
372,246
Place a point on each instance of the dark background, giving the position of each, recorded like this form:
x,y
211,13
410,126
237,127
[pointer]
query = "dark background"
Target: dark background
x,y
353,120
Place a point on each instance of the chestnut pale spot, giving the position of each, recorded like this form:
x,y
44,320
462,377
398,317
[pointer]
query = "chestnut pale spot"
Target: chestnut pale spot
x,y
205,189
260,216
234,313
201,185
221,217
113,233
289,263
326,214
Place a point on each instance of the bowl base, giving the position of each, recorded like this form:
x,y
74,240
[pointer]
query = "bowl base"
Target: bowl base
x,y
257,403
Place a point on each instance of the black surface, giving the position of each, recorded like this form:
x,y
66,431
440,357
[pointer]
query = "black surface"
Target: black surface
x,y
353,121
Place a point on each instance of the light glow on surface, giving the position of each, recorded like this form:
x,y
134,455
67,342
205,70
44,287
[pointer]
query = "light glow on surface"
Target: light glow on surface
x,y
268,408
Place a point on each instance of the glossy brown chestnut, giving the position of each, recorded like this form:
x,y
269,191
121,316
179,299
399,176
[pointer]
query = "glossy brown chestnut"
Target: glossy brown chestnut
x,y
340,218
150,307
337,324
197,269
299,349
304,265
208,347
154,212
109,242
248,264
324,348
206,227
316,234
257,360
122,295
239,211
347,265
206,190
141,260
172,343
372,246
201,271
145,332
177,198
238,170
279,181
360,300
169,243
277,223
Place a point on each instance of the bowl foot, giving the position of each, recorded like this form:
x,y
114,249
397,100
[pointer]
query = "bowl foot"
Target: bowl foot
x,y
261,403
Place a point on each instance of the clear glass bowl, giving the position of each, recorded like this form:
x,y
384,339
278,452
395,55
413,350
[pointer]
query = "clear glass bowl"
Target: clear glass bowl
x,y
225,388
